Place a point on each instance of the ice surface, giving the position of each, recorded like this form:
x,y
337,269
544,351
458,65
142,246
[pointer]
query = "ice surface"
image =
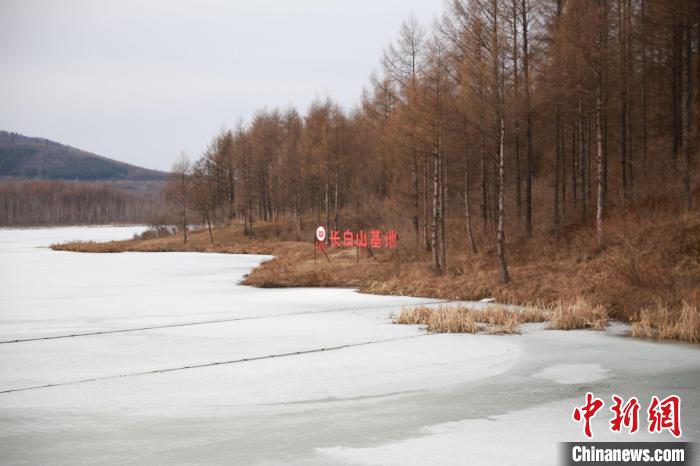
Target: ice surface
x,y
521,437
344,385
573,373
15,240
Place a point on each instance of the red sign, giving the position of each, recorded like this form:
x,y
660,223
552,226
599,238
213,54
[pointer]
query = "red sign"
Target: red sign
x,y
320,234
374,239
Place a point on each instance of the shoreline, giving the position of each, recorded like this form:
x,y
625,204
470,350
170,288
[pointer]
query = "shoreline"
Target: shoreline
x,y
578,282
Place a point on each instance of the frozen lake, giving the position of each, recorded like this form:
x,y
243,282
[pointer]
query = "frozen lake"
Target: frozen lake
x,y
157,358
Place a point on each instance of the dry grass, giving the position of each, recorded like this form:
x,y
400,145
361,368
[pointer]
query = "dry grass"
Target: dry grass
x,y
500,321
414,316
452,320
459,319
665,324
578,314
644,259
226,240
650,255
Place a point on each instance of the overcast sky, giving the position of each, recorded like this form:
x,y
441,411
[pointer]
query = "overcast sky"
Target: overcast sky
x,y
141,81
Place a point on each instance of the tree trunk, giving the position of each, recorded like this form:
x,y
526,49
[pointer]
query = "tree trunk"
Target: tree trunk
x,y
557,169
484,192
297,210
184,224
434,234
600,123
426,202
643,70
416,198
574,160
336,208
516,86
676,84
211,234
586,165
528,118
327,198
500,239
624,99
467,210
441,207
563,172
687,111
629,73
248,220
600,158
559,144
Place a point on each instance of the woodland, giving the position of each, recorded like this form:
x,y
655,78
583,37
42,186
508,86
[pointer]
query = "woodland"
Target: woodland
x,y
539,152
30,202
510,118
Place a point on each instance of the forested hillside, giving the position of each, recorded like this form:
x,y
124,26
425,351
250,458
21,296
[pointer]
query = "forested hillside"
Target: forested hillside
x,y
46,183
507,120
27,157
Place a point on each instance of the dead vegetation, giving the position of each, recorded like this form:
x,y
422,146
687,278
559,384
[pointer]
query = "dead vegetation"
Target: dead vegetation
x,y
226,240
460,319
647,259
665,324
578,314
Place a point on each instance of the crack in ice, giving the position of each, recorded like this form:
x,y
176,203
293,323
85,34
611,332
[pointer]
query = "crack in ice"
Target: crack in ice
x,y
212,364
214,321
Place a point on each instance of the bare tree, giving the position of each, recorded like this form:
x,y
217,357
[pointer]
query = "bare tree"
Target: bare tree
x,y
601,156
500,242
525,25
178,190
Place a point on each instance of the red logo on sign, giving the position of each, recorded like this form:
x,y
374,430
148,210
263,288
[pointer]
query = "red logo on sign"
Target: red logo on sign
x,y
375,239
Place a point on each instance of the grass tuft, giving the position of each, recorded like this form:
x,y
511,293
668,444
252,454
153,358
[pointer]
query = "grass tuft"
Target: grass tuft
x,y
460,319
578,314
662,323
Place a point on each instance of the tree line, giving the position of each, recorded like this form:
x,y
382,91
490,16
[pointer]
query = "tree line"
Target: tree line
x,y
52,202
505,118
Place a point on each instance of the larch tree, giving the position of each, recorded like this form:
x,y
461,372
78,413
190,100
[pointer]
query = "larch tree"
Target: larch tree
x,y
178,190
504,106
403,63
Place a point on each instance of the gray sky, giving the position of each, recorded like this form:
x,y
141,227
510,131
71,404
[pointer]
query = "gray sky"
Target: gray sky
x,y
140,81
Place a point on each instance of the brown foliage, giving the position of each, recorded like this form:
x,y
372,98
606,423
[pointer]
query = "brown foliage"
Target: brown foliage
x,y
669,324
578,314
648,258
458,319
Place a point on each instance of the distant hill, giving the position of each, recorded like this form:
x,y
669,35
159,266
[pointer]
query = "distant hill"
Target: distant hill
x,y
29,157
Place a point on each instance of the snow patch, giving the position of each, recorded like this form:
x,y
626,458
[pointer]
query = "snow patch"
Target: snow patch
x,y
573,373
